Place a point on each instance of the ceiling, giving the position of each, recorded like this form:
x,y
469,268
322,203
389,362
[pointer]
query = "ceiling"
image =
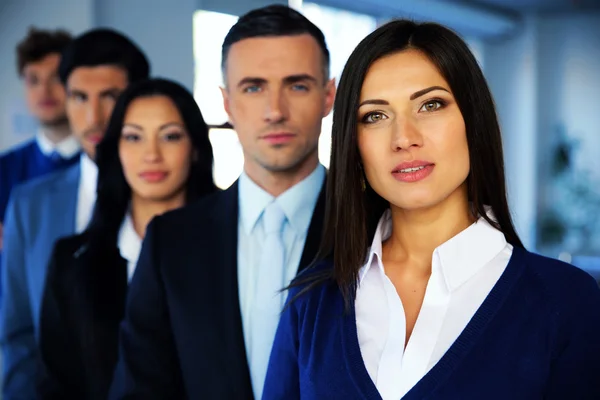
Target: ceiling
x,y
542,6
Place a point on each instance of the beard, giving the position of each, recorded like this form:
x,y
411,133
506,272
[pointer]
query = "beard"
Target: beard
x,y
55,122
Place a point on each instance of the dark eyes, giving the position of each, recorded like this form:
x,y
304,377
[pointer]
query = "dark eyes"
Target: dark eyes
x,y
130,137
167,137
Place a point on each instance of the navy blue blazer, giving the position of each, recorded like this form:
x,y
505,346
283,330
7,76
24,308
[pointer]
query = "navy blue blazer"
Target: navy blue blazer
x,y
182,334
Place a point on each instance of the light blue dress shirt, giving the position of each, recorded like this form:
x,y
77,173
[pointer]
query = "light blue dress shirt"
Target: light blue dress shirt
x,y
298,204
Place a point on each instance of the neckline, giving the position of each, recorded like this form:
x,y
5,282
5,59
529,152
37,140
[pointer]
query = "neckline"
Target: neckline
x,y
453,356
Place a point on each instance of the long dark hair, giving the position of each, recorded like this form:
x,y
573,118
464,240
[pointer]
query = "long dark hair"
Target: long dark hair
x,y
113,191
352,214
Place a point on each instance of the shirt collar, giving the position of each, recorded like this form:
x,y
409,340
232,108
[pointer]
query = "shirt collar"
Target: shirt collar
x,y
461,257
89,175
467,253
382,233
297,203
67,148
129,241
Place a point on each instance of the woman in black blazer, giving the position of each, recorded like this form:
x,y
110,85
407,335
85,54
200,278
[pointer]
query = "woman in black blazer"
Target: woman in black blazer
x,y
156,156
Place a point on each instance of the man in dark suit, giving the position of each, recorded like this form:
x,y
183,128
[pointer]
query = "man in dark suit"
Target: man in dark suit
x,y
203,304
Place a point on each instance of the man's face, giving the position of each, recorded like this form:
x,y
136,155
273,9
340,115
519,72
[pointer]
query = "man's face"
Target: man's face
x,y
91,96
44,93
276,96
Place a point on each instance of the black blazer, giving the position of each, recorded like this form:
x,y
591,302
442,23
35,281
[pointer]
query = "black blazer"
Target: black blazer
x,y
182,334
83,304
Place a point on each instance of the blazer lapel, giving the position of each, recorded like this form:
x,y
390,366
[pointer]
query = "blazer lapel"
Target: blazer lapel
x,y
224,257
107,279
65,200
315,231
102,287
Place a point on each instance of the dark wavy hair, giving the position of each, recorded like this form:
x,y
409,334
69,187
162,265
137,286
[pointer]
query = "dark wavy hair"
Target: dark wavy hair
x,y
113,191
352,214
38,44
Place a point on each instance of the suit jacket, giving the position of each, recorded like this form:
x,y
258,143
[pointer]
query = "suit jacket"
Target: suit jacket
x,y
40,212
182,334
83,304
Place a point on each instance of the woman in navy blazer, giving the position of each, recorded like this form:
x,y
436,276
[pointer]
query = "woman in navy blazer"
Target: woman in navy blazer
x,y
423,289
156,156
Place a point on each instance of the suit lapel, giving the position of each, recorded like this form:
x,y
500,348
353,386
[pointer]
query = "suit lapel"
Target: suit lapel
x,y
101,286
224,257
315,231
106,275
65,200
220,268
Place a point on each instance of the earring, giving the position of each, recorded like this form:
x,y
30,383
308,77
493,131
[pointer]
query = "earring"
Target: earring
x,y
363,184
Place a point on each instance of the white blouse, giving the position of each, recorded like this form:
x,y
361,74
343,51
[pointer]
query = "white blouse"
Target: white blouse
x,y
130,244
464,271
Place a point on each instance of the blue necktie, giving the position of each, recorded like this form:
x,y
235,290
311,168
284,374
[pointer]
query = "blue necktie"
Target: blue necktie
x,y
268,300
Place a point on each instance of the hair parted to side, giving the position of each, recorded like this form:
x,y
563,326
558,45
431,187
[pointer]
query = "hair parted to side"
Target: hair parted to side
x,y
272,21
104,46
40,43
352,213
113,191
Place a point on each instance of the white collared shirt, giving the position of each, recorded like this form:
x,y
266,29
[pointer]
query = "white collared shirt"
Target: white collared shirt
x,y
67,148
130,244
464,271
86,196
298,204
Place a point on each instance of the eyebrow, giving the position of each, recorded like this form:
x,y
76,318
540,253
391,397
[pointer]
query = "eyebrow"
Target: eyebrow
x,y
423,92
291,79
163,126
106,92
413,96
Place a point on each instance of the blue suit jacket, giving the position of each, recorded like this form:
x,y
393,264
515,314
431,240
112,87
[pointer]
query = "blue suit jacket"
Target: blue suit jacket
x,y
39,212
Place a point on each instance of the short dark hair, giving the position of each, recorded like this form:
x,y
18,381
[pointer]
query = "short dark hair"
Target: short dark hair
x,y
271,21
352,214
104,47
113,191
40,43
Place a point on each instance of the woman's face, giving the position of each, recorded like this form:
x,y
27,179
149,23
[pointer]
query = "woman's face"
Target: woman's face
x,y
411,133
155,149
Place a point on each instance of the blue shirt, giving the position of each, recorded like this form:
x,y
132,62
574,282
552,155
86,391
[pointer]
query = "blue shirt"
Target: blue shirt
x,y
535,336
298,204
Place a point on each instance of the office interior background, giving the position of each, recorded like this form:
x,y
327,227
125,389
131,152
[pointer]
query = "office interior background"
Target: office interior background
x,y
541,59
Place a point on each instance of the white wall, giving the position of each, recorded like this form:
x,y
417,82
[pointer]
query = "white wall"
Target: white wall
x,y
162,28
